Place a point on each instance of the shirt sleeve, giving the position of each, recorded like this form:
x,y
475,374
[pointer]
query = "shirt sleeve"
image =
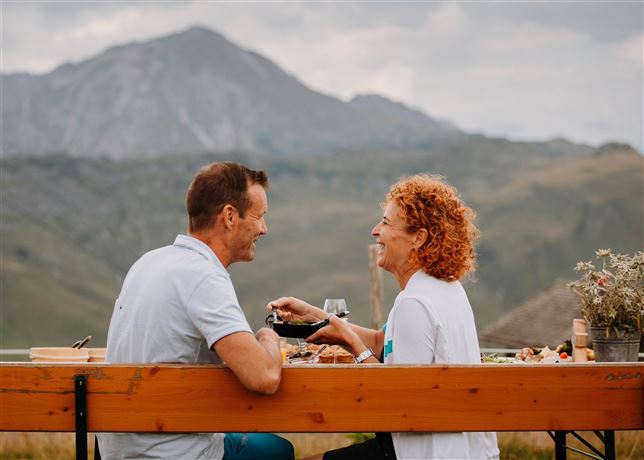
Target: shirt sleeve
x,y
214,309
414,333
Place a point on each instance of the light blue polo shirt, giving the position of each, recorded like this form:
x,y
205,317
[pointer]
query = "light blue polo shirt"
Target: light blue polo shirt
x,y
175,303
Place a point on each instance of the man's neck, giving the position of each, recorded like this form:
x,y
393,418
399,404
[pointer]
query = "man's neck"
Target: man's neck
x,y
215,244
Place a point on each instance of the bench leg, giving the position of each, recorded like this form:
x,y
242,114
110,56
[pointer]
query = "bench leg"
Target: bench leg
x,y
560,445
609,445
80,399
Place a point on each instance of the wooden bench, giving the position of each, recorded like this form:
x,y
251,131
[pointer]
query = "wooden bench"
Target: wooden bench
x,y
341,398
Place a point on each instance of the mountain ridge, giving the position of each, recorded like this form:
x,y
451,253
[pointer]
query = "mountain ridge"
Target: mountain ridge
x,y
193,91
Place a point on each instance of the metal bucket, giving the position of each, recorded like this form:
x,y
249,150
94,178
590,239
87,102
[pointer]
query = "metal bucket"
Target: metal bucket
x,y
615,346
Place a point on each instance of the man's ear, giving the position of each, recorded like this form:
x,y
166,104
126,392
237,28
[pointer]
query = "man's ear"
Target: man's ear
x,y
229,215
421,237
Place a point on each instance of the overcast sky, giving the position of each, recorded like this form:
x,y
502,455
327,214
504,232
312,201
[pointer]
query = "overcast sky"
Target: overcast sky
x,y
522,70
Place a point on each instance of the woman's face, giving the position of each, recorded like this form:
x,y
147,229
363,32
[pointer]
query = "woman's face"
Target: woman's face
x,y
395,243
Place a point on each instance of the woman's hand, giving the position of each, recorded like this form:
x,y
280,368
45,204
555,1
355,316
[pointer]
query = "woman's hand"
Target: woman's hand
x,y
291,309
339,332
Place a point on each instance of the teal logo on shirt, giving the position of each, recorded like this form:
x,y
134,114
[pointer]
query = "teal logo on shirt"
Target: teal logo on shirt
x,y
389,348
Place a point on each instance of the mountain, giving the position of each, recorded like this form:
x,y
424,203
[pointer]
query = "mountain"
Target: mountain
x,y
405,121
97,156
189,92
71,227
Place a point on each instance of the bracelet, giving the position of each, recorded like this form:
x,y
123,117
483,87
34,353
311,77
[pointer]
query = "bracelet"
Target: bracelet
x,y
368,353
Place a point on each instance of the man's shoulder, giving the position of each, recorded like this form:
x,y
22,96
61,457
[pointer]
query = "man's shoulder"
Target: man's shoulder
x,y
174,262
179,256
156,253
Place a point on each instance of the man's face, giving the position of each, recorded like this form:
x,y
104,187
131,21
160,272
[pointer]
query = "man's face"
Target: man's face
x,y
251,226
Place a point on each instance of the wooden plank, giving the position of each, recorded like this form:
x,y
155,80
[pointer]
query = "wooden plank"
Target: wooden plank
x,y
175,398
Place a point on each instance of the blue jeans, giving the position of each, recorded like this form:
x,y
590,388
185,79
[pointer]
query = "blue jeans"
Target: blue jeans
x,y
257,446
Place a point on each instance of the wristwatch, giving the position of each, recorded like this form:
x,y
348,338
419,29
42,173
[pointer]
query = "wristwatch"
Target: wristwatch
x,y
364,356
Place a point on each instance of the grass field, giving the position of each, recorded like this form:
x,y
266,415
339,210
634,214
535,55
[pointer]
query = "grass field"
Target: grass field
x,y
514,446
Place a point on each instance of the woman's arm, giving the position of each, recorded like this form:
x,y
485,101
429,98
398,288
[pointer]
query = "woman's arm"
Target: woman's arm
x,y
371,338
354,339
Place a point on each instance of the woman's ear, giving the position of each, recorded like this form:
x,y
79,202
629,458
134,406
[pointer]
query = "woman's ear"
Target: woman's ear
x,y
420,238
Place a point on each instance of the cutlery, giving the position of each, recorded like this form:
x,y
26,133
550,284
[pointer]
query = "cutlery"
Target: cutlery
x,y
82,343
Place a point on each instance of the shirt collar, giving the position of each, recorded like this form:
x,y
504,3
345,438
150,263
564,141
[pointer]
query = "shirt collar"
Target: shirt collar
x,y
199,246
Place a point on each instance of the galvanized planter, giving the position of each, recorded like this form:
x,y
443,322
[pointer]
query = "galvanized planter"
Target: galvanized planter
x,y
613,345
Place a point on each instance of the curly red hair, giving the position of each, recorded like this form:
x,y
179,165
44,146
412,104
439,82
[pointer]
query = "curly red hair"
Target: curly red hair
x,y
427,201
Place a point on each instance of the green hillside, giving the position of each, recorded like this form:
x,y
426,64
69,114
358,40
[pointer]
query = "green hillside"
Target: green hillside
x,y
72,227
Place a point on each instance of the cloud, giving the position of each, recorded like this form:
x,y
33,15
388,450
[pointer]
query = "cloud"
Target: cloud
x,y
631,49
449,21
110,27
522,69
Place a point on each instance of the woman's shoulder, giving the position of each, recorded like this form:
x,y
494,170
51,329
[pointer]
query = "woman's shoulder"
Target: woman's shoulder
x,y
421,283
432,293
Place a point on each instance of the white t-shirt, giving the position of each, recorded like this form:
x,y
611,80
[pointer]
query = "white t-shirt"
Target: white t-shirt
x,y
432,322
175,303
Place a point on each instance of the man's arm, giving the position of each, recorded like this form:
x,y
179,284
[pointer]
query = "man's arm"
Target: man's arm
x,y
255,360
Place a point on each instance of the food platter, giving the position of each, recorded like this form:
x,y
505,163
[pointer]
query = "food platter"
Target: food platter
x,y
317,354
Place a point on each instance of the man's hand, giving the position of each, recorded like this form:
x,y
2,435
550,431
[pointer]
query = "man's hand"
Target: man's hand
x,y
291,308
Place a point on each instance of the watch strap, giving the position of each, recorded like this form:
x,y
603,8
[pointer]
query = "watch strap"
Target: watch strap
x,y
364,355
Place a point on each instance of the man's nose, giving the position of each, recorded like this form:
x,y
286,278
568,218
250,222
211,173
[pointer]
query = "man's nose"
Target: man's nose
x,y
375,231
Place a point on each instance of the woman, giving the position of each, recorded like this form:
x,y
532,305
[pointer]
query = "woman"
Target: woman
x,y
426,240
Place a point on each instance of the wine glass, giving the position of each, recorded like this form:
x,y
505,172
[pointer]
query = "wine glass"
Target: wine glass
x,y
335,306
302,347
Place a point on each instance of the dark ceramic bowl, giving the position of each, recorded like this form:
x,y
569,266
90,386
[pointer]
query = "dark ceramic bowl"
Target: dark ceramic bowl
x,y
297,330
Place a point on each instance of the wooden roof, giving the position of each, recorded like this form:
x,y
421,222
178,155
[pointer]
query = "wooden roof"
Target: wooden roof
x,y
545,319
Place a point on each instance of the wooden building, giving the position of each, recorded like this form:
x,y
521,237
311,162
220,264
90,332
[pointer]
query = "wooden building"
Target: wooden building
x,y
544,320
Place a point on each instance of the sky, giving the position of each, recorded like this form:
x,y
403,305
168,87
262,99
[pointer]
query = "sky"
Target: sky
x,y
523,70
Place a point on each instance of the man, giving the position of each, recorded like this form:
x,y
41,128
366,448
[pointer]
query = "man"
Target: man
x,y
178,305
